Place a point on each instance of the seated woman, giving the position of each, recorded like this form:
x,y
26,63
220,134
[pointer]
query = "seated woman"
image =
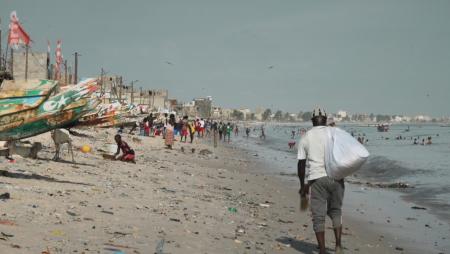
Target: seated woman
x,y
127,152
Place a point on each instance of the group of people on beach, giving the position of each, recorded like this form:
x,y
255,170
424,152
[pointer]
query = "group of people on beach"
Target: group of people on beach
x,y
169,127
326,194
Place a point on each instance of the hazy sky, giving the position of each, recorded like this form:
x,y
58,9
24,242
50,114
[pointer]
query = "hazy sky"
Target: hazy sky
x,y
381,56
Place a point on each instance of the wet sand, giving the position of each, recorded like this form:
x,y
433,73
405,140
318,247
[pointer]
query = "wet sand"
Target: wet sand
x,y
215,200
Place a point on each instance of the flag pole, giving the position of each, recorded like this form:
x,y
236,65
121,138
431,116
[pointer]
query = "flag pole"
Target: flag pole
x,y
1,58
48,60
26,62
6,53
12,62
65,71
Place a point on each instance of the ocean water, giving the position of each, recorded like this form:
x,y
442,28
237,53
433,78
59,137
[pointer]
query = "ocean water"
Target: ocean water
x,y
424,167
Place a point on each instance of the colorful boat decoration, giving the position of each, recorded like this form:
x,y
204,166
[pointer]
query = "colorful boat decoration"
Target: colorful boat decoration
x,y
38,109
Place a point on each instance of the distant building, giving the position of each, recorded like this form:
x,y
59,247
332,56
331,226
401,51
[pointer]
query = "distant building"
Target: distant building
x,y
158,99
422,118
226,113
247,112
216,113
341,114
259,113
203,107
188,109
113,89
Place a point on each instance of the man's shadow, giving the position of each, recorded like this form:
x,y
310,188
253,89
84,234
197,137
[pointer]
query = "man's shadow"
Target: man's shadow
x,y
66,162
33,176
301,246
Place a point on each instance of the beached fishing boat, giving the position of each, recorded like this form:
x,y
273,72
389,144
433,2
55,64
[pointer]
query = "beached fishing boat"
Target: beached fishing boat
x,y
38,107
98,119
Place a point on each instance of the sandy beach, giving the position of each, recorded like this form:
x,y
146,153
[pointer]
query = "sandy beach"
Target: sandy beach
x,y
212,200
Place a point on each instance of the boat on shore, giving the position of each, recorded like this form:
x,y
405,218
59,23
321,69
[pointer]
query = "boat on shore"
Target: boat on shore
x,y
32,108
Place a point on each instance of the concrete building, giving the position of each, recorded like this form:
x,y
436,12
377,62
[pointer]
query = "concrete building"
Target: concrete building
x,y
203,107
114,90
158,98
341,114
216,113
37,65
259,113
422,118
247,112
226,113
188,109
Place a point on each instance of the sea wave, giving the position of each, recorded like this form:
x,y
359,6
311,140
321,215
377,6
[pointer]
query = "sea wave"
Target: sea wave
x,y
385,169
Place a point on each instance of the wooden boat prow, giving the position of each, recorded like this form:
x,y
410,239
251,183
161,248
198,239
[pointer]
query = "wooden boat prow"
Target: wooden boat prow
x,y
17,96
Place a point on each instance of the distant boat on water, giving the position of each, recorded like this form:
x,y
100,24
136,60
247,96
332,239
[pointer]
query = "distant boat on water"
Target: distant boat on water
x,y
383,127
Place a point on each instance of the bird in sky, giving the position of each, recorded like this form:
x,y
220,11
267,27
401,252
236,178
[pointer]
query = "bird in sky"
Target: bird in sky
x,y
270,67
169,63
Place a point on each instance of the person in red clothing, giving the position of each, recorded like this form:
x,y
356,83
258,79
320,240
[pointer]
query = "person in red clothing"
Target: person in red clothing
x,y
184,130
127,152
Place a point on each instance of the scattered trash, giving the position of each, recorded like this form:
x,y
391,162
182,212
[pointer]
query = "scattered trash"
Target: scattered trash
x,y
115,251
46,251
240,230
7,222
7,235
174,219
160,247
285,221
57,233
119,246
71,213
264,205
232,209
107,212
164,189
121,233
205,152
16,246
5,196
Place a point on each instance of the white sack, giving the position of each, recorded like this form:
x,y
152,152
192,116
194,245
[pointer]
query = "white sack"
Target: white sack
x,y
343,154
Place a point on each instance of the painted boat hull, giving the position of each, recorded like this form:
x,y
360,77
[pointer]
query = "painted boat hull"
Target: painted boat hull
x,y
56,111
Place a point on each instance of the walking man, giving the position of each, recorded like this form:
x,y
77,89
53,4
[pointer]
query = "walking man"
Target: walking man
x,y
326,193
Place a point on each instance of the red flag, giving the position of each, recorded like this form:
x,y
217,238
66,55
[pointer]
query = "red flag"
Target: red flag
x,y
59,59
17,34
58,52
